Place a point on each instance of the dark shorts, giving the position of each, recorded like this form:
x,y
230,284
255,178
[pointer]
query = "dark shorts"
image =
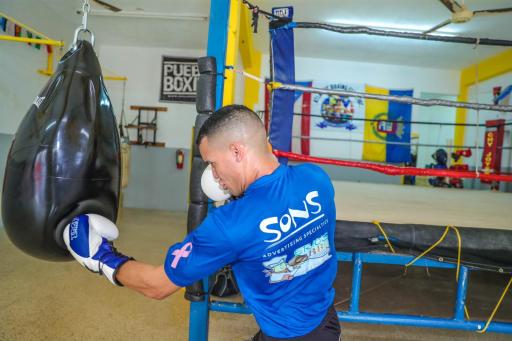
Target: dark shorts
x,y
328,330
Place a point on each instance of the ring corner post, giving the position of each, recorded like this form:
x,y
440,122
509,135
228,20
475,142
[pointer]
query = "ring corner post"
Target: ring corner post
x,y
282,58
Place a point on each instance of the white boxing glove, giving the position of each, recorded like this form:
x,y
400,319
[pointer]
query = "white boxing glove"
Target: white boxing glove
x,y
88,238
211,186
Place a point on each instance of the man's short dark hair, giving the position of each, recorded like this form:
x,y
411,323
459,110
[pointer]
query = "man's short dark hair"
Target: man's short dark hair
x,y
224,117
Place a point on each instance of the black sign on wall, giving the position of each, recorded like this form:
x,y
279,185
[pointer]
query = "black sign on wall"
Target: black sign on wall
x,y
179,79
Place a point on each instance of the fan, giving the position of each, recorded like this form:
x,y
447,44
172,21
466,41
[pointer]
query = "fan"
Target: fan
x,y
461,14
107,5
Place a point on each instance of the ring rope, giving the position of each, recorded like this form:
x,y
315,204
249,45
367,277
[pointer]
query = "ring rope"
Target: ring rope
x,y
477,89
393,98
349,29
405,122
245,74
395,170
390,142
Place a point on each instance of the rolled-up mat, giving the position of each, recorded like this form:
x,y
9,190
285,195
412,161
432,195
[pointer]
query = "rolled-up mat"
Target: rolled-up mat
x,y
64,160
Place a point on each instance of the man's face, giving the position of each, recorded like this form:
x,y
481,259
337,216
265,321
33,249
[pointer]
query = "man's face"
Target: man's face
x,y
226,164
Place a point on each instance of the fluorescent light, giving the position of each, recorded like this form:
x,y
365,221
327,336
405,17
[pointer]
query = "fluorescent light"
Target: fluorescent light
x,y
146,15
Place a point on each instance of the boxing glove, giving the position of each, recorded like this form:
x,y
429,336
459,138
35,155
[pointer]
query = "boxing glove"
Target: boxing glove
x,y
89,240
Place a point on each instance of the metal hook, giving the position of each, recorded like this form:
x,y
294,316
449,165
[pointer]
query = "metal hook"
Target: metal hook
x,y
86,8
77,32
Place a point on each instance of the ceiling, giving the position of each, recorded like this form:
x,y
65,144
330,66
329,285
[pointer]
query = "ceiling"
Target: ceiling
x,y
406,14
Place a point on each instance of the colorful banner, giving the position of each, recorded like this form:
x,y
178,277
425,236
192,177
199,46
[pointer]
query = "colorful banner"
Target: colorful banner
x,y
337,122
388,129
332,112
13,29
490,149
3,24
9,28
17,30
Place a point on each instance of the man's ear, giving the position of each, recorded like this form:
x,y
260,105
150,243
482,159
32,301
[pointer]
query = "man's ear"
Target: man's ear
x,y
237,150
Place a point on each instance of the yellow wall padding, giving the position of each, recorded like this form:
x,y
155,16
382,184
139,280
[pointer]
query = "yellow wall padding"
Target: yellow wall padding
x,y
231,51
251,58
487,69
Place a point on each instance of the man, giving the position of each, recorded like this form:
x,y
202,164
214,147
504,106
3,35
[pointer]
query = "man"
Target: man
x,y
278,235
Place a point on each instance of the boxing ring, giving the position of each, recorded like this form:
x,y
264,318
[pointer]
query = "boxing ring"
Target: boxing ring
x,y
376,223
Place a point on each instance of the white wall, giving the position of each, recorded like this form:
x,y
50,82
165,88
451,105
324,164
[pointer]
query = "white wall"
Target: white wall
x,y
434,134
19,81
143,66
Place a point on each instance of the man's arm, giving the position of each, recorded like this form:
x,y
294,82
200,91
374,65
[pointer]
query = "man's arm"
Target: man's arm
x,y
149,280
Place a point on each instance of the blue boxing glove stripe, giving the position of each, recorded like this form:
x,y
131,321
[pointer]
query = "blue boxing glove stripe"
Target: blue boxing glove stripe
x,y
88,238
79,237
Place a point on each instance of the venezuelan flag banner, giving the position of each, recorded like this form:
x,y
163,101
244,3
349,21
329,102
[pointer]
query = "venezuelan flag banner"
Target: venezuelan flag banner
x,y
384,131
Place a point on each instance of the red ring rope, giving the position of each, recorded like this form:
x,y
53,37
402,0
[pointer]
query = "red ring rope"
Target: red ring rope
x,y
394,170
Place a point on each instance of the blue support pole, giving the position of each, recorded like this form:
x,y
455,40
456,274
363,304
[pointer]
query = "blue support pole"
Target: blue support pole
x,y
217,42
199,317
356,283
462,286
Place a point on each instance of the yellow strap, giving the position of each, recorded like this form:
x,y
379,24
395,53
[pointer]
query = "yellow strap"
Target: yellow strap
x,y
274,85
431,248
489,320
459,252
28,28
385,235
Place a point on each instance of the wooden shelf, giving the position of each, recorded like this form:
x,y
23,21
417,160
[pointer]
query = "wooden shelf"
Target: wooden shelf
x,y
141,126
139,107
148,144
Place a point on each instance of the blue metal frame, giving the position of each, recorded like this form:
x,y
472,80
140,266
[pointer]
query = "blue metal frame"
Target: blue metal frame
x,y
217,41
353,314
458,320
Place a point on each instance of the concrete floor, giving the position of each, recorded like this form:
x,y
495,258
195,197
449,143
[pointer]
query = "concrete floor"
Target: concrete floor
x,y
60,301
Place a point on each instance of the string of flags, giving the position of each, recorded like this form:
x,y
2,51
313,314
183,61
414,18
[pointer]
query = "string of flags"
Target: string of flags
x,y
13,29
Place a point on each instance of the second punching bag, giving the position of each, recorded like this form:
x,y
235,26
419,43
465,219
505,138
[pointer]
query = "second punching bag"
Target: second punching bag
x,y
64,160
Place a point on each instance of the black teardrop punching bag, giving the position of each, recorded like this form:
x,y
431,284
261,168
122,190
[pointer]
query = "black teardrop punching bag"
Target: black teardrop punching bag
x,y
64,160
